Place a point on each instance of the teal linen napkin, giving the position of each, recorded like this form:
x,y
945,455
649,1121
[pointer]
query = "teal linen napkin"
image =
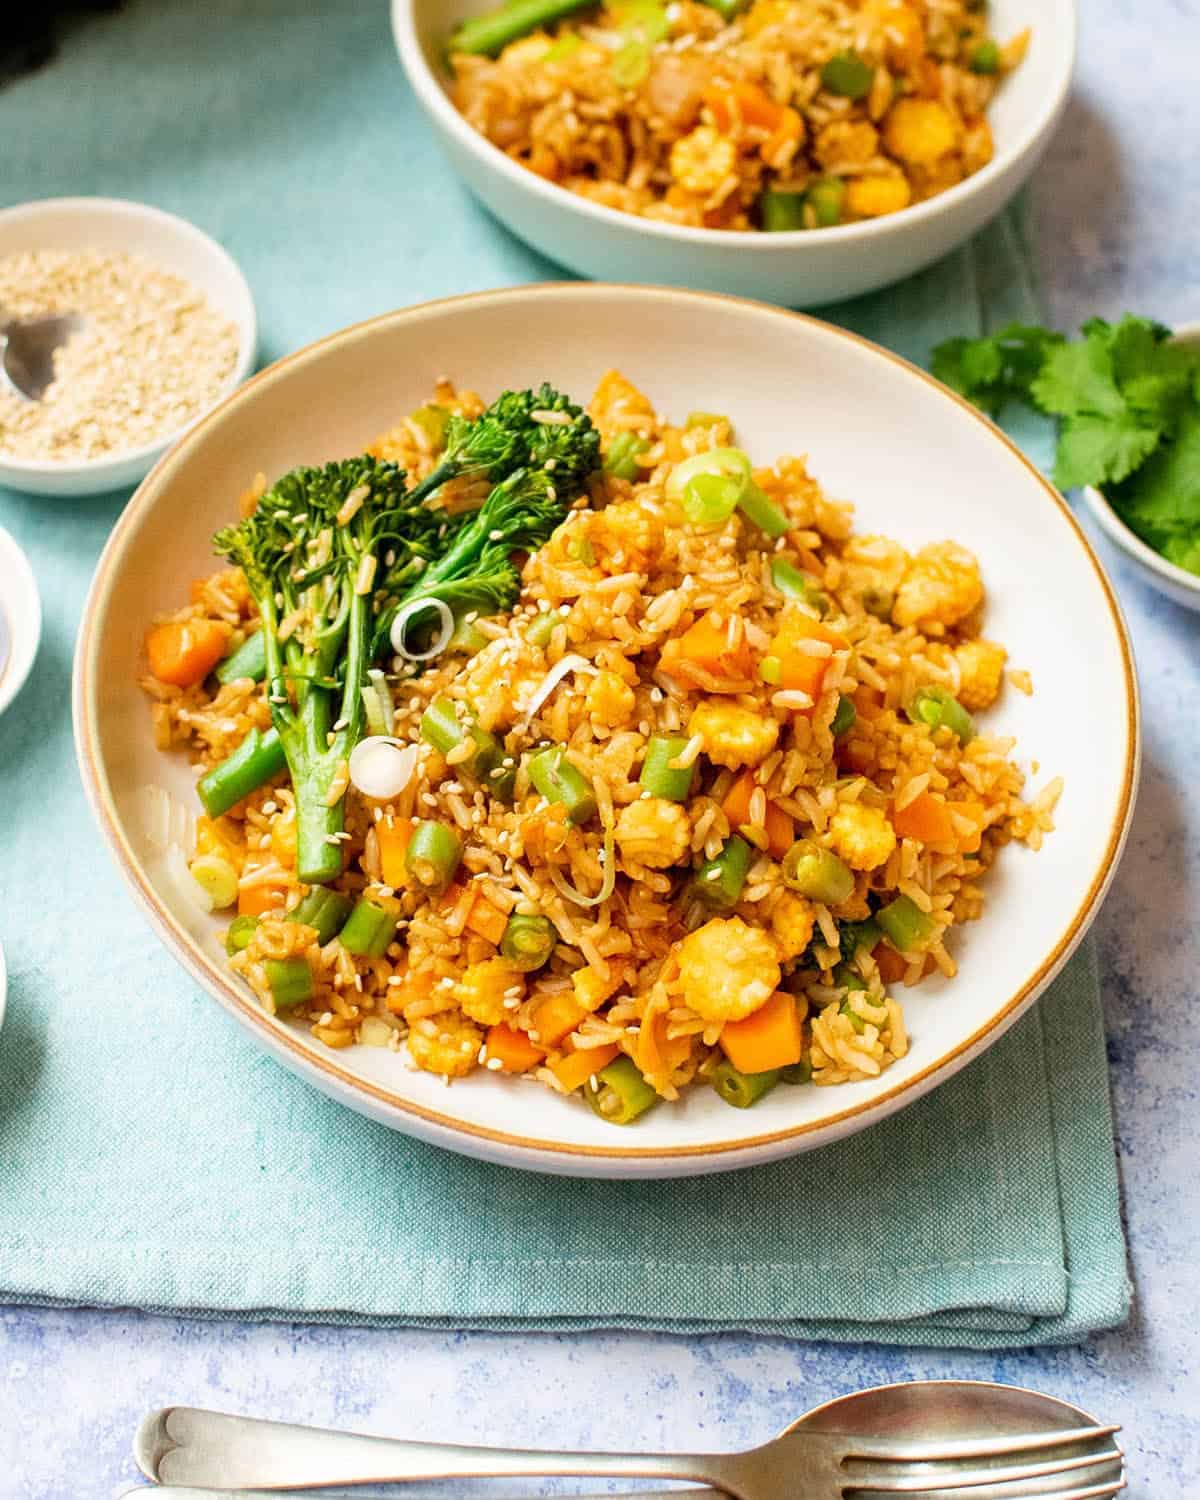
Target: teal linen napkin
x,y
149,1155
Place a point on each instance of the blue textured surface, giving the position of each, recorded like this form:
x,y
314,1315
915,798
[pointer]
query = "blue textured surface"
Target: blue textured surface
x,y
1115,231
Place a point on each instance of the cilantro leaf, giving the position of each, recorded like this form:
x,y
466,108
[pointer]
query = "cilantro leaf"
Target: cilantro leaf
x,y
1162,499
997,368
1078,379
1094,449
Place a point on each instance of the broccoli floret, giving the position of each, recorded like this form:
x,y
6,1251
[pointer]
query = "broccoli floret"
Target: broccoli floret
x,y
476,572
521,429
310,553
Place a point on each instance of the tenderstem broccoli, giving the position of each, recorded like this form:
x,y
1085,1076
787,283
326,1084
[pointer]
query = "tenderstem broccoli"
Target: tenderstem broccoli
x,y
310,553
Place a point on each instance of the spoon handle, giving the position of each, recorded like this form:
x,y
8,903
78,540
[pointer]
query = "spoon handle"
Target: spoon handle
x,y
184,1445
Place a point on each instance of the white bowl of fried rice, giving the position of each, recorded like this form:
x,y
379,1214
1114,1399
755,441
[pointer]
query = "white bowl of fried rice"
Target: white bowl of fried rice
x,y
655,143
911,714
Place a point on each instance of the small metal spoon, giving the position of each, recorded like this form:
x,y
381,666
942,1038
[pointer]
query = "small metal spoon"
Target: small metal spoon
x,y
28,347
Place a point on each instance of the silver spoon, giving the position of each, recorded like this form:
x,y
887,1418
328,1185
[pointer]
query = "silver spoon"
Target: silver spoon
x,y
28,347
922,1438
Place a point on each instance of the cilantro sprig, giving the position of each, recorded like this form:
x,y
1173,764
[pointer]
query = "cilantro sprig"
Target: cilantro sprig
x,y
1127,402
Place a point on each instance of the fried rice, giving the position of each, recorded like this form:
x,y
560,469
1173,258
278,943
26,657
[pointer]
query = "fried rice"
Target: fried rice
x,y
599,656
798,114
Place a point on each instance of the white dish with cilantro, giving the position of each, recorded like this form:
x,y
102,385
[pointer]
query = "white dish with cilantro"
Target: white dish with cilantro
x,y
1126,398
1179,584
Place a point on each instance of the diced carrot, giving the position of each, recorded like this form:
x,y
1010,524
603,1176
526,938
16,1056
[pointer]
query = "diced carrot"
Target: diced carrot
x,y
736,807
184,652
512,1048
770,1038
254,900
781,833
574,1070
486,921
968,843
393,835
892,966
706,644
786,133
416,986
556,1017
926,818
797,669
742,101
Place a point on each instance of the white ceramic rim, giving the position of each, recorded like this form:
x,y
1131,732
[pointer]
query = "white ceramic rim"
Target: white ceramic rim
x,y
130,209
3,985
26,632
434,98
1129,541
337,1080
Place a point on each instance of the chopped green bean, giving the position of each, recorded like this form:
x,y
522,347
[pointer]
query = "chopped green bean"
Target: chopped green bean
x,y
619,1093
290,981
719,881
904,924
259,757
844,718
467,639
855,935
817,873
528,941
763,511
323,909
782,211
825,197
848,75
444,729
622,455
433,855
490,33
705,419
542,628
770,669
370,928
793,584
659,777
742,1089
986,58
558,780
800,1072
239,933
939,709
249,660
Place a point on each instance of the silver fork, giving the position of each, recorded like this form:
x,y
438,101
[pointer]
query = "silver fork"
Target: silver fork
x,y
185,1445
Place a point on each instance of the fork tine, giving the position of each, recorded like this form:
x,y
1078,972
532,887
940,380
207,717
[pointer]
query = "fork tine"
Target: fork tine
x,y
900,1450
900,1480
1103,1491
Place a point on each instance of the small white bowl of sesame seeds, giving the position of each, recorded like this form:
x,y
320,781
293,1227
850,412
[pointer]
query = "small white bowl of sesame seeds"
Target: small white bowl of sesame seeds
x,y
168,329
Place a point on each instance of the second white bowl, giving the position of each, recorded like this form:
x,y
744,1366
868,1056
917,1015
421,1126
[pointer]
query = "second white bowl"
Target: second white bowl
x,y
795,268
